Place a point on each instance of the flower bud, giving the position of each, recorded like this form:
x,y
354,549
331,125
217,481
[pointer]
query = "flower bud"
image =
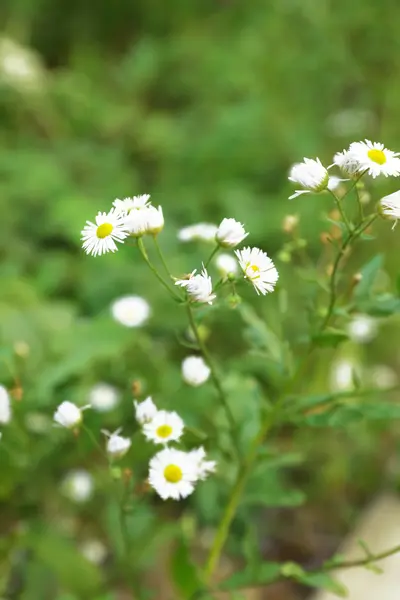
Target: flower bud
x,y
68,415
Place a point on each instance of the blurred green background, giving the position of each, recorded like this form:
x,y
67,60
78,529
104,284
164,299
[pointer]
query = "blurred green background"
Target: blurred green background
x,y
204,105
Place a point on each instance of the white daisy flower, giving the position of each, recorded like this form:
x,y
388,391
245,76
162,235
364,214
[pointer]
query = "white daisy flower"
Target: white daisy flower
x,y
230,233
145,411
198,287
68,415
195,371
172,473
78,485
100,237
258,268
164,427
103,397
362,329
130,311
117,445
204,467
137,222
155,220
128,204
204,232
389,206
226,265
311,175
374,158
5,406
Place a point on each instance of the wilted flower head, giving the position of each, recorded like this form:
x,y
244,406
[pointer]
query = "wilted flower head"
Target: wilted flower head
x,y
311,175
5,406
145,411
78,485
258,268
117,445
103,397
164,427
130,311
362,329
200,231
389,206
100,237
347,162
198,287
128,204
68,415
173,473
230,233
226,265
195,371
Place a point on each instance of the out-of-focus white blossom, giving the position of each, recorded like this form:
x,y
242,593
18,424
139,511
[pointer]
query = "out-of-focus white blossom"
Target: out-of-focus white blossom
x,y
195,371
103,397
78,485
68,415
20,67
94,551
130,311
389,206
362,329
343,374
204,467
226,265
127,205
117,445
204,232
5,406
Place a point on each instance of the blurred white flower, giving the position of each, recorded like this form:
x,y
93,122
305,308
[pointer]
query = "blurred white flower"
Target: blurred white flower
x,y
100,237
94,551
204,467
347,162
103,397
68,414
375,158
343,374
334,183
37,423
20,66
195,371
5,406
290,223
198,287
136,222
383,377
311,175
172,474
130,311
362,329
389,206
78,485
350,122
200,231
164,427
230,233
128,204
258,268
117,445
145,411
226,265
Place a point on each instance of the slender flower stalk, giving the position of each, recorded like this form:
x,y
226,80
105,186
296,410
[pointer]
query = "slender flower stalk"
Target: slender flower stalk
x,y
143,252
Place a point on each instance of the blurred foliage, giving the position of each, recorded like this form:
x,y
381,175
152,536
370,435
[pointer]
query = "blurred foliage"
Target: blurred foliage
x,y
204,105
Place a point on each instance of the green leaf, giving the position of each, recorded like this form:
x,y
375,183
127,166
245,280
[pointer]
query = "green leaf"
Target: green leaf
x,y
368,272
330,337
263,574
324,581
183,572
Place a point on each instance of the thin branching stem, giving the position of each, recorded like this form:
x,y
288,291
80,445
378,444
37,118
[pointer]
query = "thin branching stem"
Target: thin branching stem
x,y
143,252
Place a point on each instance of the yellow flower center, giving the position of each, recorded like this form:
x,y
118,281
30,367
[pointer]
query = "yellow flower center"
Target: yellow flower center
x,y
173,473
255,269
104,230
164,431
377,156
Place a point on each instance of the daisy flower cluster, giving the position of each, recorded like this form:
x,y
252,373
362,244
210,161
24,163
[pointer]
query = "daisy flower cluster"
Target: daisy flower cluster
x,y
136,217
361,158
173,473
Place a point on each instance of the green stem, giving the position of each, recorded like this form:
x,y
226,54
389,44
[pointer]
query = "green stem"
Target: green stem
x,y
213,253
214,374
360,206
362,562
340,209
161,257
353,235
143,252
